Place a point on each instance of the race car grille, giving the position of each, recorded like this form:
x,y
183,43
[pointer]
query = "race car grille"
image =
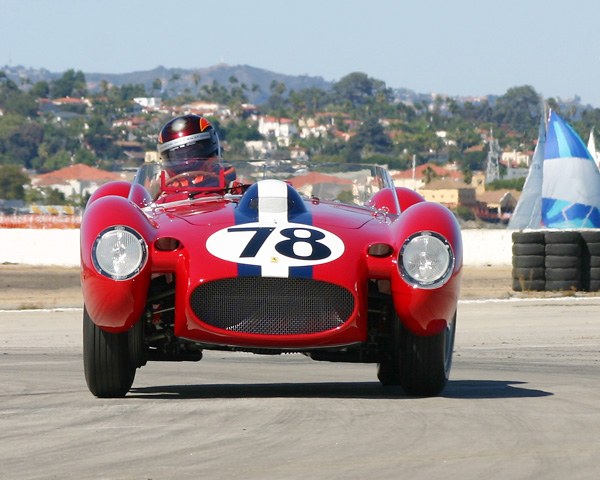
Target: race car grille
x,y
272,306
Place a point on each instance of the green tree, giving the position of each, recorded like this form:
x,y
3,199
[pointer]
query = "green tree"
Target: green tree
x,y
359,89
57,161
83,155
157,85
71,84
40,90
519,107
12,181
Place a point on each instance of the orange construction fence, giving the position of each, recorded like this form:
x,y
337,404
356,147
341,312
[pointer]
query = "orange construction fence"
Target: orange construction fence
x,y
41,221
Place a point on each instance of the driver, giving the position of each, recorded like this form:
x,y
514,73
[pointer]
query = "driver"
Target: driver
x,y
190,152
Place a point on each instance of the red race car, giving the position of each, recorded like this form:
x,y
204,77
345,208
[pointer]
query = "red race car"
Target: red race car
x,y
269,257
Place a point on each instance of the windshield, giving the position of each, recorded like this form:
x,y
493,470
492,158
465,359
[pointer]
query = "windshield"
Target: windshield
x,y
346,183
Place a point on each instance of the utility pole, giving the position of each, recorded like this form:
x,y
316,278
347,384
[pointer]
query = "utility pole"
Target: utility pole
x,y
493,160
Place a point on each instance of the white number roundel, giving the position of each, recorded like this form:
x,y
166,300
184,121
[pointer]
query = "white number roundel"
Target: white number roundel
x,y
287,245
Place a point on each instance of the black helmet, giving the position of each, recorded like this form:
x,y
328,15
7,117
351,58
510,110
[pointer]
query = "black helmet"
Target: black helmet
x,y
185,140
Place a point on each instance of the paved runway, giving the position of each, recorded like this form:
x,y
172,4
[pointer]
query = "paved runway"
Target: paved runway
x,y
522,403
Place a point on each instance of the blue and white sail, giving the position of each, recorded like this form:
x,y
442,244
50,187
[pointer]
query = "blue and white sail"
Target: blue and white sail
x,y
591,146
571,185
528,212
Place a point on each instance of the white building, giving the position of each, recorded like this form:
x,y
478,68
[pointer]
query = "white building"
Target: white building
x,y
280,129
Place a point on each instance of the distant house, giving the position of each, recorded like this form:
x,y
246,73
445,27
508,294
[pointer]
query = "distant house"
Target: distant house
x,y
321,185
418,179
298,153
78,179
448,192
260,148
514,159
309,127
497,205
280,129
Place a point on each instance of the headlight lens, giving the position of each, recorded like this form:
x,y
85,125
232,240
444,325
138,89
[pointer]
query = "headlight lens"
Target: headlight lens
x,y
426,260
119,253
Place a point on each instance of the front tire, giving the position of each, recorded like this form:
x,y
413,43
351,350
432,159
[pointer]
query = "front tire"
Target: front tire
x,y
426,361
109,372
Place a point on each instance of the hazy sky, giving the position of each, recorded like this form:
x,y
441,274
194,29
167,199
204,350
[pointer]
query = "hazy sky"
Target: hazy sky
x,y
458,47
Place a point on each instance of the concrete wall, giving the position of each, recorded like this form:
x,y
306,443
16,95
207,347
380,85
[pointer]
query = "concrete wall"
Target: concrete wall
x,y
61,247
39,247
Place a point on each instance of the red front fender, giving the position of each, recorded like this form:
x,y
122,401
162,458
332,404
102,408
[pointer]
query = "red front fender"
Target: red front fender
x,y
423,311
114,305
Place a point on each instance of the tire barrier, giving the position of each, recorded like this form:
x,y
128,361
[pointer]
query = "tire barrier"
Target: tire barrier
x,y
590,268
556,260
563,260
528,261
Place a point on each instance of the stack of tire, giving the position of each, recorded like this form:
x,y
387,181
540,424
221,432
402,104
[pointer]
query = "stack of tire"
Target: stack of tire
x,y
590,267
563,262
556,260
528,261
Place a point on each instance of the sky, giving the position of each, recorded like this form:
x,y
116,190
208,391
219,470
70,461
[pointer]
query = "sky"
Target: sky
x,y
453,47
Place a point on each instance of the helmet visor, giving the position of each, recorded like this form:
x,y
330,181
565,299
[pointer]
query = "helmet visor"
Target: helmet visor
x,y
191,147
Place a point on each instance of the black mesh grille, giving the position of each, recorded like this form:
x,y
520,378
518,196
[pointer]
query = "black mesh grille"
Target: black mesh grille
x,y
272,306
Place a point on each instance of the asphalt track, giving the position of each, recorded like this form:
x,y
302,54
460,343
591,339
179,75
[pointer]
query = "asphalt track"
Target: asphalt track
x,y
522,403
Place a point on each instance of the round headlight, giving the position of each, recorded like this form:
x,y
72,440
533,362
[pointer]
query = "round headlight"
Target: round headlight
x,y
426,260
119,253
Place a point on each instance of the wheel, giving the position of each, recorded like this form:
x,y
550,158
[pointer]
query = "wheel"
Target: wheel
x,y
528,261
109,372
426,361
388,371
520,249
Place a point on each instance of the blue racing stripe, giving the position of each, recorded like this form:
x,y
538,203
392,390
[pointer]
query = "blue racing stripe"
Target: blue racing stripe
x,y
247,211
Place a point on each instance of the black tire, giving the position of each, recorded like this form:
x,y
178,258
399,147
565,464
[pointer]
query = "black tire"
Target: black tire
x,y
594,261
562,261
388,373
564,249
560,285
594,286
528,249
528,261
590,236
563,274
528,274
594,273
109,372
593,249
521,285
528,237
564,236
426,361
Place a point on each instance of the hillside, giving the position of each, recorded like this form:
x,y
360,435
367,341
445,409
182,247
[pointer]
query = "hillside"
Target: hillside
x,y
177,80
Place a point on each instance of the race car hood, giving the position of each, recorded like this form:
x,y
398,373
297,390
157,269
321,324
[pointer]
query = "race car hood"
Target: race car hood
x,y
220,210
